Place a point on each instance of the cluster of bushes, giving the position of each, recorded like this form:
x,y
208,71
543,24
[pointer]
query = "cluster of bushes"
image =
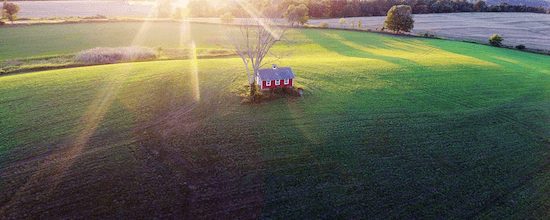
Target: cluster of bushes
x,y
496,40
272,94
521,47
115,55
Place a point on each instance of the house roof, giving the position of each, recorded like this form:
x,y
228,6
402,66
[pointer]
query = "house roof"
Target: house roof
x,y
278,73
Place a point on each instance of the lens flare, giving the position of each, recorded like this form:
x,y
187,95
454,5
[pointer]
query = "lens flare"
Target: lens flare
x,y
195,72
258,18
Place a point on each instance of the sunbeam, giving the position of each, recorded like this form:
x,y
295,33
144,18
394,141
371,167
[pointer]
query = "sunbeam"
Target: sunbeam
x,y
57,164
195,72
258,18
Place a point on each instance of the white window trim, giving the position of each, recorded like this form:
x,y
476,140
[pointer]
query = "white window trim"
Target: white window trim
x,y
277,82
287,81
267,83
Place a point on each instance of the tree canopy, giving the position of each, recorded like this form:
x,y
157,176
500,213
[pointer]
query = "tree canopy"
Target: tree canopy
x,y
399,19
10,10
297,14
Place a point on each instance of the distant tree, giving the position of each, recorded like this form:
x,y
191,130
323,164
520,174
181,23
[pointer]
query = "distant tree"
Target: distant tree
x,y
319,9
496,40
421,9
3,11
337,8
227,18
10,11
480,6
342,22
443,6
178,13
351,9
199,8
399,19
462,6
297,14
164,8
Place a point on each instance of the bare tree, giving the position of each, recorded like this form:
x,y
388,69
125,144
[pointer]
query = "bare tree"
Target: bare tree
x,y
253,40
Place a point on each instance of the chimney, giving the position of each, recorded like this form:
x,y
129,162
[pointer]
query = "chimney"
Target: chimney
x,y
274,66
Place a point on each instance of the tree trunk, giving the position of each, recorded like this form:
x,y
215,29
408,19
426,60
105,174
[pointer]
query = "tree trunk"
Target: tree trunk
x,y
252,89
253,92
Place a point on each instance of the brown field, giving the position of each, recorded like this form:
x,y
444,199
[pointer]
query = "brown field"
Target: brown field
x,y
529,29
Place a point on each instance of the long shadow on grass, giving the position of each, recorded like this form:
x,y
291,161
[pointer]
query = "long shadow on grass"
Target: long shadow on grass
x,y
399,164
337,45
505,58
302,177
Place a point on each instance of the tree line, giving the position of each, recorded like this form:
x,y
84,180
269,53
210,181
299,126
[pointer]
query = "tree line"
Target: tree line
x,y
358,8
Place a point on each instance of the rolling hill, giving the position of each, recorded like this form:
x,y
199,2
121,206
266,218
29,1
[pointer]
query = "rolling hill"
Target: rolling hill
x,y
389,127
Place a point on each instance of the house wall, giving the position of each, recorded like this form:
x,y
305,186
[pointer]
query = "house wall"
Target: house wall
x,y
264,84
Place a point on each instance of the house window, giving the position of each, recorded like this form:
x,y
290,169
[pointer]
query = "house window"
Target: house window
x,y
268,83
287,81
277,82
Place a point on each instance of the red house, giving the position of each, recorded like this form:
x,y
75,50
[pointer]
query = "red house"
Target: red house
x,y
275,77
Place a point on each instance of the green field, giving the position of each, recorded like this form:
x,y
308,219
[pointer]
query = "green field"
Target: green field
x,y
48,40
389,127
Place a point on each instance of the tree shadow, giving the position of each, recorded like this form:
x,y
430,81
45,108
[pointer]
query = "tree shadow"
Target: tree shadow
x,y
511,60
344,45
332,43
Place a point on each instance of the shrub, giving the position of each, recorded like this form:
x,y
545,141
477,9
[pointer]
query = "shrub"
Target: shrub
x,y
272,94
115,55
429,35
520,47
323,25
2,23
399,19
342,22
496,40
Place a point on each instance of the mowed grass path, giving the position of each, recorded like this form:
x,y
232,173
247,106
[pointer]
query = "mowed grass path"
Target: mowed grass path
x,y
389,127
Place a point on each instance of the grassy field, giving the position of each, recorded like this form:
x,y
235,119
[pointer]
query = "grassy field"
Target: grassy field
x,y
48,40
389,127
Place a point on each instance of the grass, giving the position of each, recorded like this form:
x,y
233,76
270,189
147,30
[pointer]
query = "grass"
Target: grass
x,y
390,127
42,63
48,40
